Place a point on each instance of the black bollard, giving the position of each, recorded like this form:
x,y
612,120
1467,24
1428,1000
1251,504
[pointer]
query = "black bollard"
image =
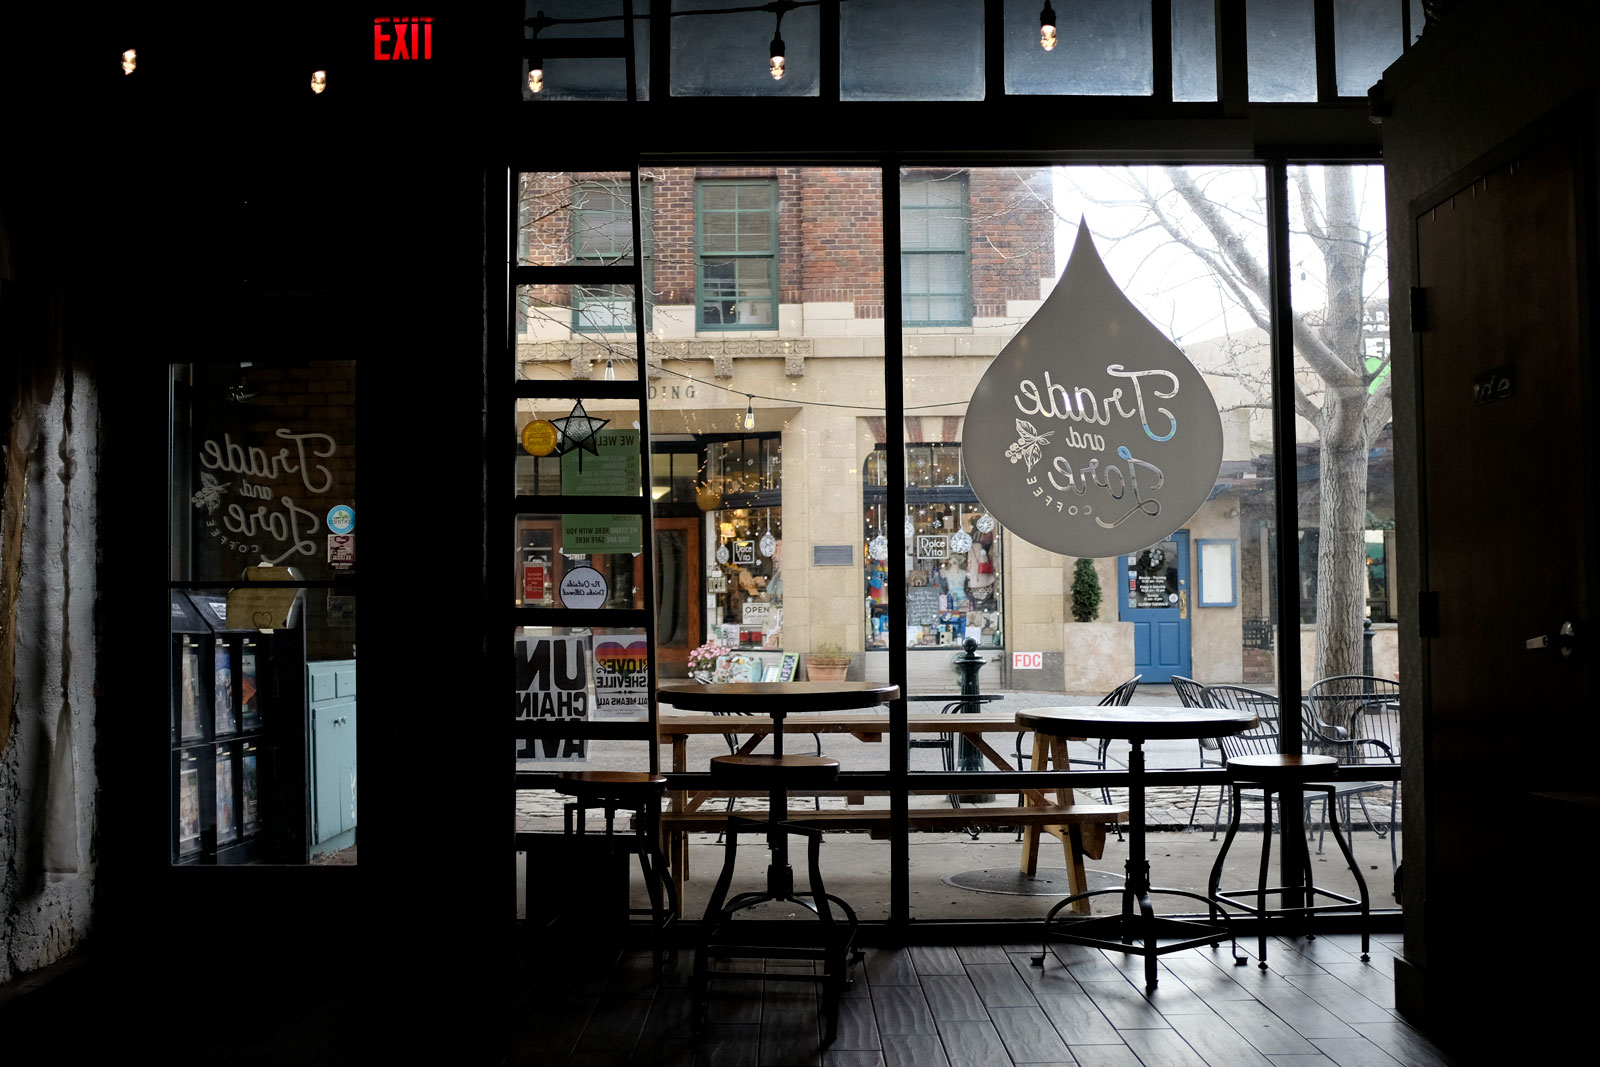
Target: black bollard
x,y
1367,633
967,665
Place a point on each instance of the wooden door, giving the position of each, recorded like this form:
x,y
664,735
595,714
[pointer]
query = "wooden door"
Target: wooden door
x,y
1153,594
678,598
1506,409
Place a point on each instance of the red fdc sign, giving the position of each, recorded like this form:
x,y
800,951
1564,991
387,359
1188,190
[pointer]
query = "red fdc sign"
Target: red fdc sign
x,y
402,37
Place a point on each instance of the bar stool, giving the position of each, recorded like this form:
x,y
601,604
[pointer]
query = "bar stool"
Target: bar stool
x,y
640,793
777,774
1273,774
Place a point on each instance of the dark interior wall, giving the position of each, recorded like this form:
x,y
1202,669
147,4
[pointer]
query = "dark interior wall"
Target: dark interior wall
x,y
1478,81
209,215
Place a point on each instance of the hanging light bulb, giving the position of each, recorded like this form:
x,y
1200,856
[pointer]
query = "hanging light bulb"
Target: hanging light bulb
x,y
319,80
1047,28
535,75
130,60
775,65
611,372
750,413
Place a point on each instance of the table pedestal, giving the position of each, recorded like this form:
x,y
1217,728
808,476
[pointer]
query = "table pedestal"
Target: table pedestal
x,y
831,940
1144,934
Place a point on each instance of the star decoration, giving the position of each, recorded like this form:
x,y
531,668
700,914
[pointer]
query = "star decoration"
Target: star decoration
x,y
577,431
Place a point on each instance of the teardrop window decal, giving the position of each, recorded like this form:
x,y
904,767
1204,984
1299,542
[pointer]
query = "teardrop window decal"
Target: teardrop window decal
x,y
1091,433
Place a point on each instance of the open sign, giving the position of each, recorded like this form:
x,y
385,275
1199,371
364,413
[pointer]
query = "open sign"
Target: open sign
x,y
1027,661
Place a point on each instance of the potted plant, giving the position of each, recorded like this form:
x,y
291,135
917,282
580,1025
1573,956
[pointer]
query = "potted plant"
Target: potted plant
x,y
1085,591
829,663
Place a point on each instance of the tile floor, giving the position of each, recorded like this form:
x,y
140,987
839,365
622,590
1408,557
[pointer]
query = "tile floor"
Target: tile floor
x,y
983,1005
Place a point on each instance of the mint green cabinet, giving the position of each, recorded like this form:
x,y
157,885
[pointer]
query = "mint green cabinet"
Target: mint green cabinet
x,y
332,685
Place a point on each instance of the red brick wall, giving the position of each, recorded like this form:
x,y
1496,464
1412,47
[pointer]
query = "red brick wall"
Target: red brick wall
x,y
1013,231
830,233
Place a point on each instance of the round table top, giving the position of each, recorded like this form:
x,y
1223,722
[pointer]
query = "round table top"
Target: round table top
x,y
776,698
1140,722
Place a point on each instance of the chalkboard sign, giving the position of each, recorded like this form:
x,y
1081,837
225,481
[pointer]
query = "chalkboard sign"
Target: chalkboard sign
x,y
922,605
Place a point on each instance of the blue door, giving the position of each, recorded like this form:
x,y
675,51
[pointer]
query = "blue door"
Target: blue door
x,y
1153,594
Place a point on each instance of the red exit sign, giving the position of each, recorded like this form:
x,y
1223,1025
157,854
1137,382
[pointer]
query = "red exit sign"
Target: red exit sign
x,y
402,37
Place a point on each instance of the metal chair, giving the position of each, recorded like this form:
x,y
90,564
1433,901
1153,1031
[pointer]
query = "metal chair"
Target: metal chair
x,y
945,743
1119,697
1192,695
1356,717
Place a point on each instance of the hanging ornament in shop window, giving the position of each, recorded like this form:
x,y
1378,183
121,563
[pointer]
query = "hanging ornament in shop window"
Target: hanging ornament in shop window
x,y
577,433
722,554
985,523
768,543
878,548
960,541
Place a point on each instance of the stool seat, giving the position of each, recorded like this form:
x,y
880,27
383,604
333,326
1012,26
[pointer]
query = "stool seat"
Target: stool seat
x,y
1273,774
783,771
640,792
1279,767
619,784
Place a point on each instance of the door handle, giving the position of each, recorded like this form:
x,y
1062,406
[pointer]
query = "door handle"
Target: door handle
x,y
1565,639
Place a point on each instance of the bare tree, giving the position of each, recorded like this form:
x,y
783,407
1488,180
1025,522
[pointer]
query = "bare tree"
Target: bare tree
x,y
571,218
1340,388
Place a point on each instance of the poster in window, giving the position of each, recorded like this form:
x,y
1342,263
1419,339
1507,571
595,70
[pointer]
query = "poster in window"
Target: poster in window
x,y
249,694
227,828
189,691
621,679
222,689
553,684
189,806
249,808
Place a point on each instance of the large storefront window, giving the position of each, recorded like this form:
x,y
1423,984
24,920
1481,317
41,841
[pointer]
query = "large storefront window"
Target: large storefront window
x,y
953,560
740,484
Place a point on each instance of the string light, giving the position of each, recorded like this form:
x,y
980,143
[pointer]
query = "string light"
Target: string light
x,y
130,60
750,412
1047,28
319,80
775,63
611,372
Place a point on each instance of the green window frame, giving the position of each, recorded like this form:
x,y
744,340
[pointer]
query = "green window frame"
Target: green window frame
x,y
736,255
935,251
602,235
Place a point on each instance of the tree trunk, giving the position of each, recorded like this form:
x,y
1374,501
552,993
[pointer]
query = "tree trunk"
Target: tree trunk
x,y
1341,558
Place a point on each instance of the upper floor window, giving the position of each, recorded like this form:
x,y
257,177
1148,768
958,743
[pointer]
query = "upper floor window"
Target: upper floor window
x,y
736,263
602,234
935,258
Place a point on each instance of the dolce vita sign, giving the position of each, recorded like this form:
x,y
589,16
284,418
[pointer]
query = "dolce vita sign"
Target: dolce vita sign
x,y
1091,434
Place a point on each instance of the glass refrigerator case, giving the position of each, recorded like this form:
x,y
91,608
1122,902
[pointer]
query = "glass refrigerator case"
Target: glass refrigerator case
x,y
237,738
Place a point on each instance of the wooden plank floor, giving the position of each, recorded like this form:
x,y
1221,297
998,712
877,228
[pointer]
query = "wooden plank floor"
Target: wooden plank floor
x,y
988,1006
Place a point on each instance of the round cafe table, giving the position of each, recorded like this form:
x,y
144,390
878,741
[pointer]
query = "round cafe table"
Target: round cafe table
x,y
1144,934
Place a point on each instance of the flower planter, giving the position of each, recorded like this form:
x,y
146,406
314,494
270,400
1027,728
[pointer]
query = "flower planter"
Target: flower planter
x,y
827,668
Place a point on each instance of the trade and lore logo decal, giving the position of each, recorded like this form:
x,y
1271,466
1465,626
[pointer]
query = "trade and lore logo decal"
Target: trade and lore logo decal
x,y
266,530
1091,434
